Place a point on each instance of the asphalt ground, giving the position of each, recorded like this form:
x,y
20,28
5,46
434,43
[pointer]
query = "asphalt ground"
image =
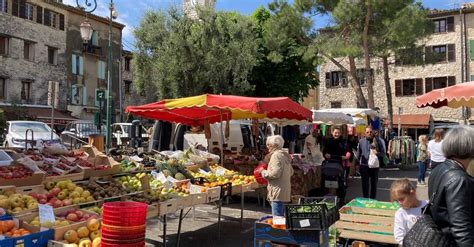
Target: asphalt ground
x,y
201,228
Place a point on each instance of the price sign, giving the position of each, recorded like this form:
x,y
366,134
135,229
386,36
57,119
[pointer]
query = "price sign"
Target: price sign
x,y
46,213
304,223
136,158
171,179
194,189
277,220
154,174
161,177
220,171
203,172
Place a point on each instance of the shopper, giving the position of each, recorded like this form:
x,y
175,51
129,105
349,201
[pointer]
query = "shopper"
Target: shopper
x,y
453,189
335,147
404,192
434,148
369,176
422,159
278,174
312,148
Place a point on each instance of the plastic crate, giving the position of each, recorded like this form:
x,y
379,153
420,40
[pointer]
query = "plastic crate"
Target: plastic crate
x,y
37,239
6,217
312,213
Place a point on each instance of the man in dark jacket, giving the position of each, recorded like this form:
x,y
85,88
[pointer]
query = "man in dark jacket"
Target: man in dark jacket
x,y
453,203
370,176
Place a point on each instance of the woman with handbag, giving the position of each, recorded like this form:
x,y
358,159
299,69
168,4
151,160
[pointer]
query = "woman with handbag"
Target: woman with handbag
x,y
451,190
278,174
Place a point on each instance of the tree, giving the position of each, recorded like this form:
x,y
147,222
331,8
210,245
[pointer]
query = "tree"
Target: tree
x,y
283,59
182,56
400,25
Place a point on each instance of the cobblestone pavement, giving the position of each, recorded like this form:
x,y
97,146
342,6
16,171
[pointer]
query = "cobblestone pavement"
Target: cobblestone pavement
x,y
202,229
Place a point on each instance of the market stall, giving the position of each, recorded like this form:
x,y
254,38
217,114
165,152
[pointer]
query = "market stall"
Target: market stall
x,y
205,109
459,95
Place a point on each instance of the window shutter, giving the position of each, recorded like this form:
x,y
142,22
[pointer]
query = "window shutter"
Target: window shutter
x,y
428,85
61,22
94,40
74,72
39,14
344,79
450,24
451,53
81,65
15,7
47,17
328,80
451,80
73,94
419,86
398,88
22,13
471,49
84,96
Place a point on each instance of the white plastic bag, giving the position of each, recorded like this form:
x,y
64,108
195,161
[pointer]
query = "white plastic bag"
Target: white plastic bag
x,y
373,160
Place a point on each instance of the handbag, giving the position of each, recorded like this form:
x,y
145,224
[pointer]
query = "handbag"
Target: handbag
x,y
425,232
373,160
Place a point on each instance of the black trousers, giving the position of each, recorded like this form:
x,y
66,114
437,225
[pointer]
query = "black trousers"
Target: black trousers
x,y
370,178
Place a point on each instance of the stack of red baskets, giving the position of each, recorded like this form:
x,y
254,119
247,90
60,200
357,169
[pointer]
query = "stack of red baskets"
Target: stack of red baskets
x,y
123,224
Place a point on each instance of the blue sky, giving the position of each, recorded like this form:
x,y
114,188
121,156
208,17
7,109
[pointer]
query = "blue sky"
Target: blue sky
x,y
131,11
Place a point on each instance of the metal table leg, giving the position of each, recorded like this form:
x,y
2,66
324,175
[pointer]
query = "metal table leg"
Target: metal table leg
x,y
219,219
242,209
179,227
164,230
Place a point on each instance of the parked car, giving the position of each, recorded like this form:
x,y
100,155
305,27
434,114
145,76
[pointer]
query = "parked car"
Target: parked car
x,y
16,137
121,133
77,133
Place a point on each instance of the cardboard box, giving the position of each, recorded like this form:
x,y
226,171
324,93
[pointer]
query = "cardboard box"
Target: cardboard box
x,y
23,190
247,187
184,202
35,179
199,198
102,160
213,194
76,176
91,151
236,189
167,207
58,231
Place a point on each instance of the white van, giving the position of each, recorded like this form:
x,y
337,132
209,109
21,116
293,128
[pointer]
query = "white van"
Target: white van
x,y
167,136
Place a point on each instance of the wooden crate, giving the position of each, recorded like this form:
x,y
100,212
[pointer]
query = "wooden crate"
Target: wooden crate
x,y
375,225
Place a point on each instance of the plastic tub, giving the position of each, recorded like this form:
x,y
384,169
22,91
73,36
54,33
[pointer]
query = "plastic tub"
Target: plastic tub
x,y
107,244
125,208
123,221
123,236
124,230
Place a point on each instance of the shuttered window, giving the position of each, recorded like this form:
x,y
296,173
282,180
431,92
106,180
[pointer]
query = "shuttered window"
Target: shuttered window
x,y
39,14
408,87
77,65
471,49
451,53
61,22
15,7
439,82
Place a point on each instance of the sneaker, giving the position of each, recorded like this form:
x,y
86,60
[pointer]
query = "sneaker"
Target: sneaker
x,y
418,183
423,183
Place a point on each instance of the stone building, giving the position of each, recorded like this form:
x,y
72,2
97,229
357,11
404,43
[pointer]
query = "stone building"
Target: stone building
x,y
32,51
87,64
40,41
446,60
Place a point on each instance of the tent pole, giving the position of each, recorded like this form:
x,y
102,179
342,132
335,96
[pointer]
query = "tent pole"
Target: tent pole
x,y
222,141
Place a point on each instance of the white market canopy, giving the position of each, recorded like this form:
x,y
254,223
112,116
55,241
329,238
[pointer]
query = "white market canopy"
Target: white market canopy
x,y
324,116
355,112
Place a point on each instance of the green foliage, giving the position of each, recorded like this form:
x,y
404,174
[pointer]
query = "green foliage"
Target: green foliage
x,y
183,56
285,54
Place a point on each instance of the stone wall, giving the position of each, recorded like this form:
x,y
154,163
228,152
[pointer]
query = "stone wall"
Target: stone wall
x,y
396,72
15,69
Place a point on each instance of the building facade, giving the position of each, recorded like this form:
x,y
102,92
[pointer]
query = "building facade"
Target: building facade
x,y
40,41
444,59
32,52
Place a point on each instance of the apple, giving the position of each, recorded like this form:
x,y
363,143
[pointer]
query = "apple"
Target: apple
x,y
57,204
33,194
67,202
62,195
55,191
42,201
72,217
49,196
80,214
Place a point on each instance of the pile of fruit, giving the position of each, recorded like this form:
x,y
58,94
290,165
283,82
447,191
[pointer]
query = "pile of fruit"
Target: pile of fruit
x,y
57,223
86,164
63,193
94,209
15,171
76,215
13,202
8,229
133,183
85,236
107,189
